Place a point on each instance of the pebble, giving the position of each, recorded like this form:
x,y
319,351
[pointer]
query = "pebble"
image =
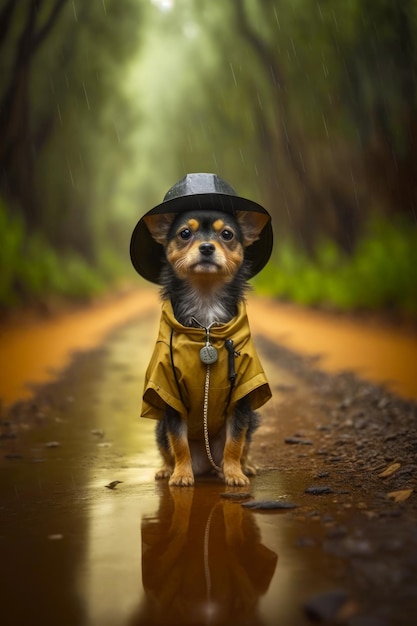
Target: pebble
x,y
358,547
298,440
323,607
236,495
337,532
366,620
305,542
269,504
318,490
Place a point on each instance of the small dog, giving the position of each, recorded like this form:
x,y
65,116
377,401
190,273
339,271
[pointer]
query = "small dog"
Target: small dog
x,y
204,380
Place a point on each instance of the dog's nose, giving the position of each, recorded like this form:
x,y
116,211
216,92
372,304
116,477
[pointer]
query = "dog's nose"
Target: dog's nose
x,y
207,248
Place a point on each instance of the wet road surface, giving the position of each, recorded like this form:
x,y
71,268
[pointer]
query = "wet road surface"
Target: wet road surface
x,y
35,350
77,553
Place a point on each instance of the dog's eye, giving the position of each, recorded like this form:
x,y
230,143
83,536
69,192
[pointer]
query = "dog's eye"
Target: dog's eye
x,y
185,234
227,235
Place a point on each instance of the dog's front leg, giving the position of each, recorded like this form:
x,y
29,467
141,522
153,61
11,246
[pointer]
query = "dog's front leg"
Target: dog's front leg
x,y
236,431
177,433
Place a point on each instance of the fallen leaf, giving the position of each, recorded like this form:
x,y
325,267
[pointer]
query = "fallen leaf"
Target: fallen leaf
x,y
400,496
390,470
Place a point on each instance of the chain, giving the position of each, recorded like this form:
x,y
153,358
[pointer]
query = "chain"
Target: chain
x,y
205,419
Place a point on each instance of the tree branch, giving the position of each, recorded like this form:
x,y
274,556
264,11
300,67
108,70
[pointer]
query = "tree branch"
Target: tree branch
x,y
5,18
257,43
43,32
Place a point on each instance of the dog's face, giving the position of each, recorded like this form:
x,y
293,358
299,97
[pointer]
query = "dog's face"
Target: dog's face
x,y
205,244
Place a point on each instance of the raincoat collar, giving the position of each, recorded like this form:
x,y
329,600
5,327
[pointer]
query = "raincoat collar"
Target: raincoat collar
x,y
218,332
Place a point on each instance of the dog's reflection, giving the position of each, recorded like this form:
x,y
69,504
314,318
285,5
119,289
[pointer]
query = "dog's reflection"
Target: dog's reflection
x,y
202,560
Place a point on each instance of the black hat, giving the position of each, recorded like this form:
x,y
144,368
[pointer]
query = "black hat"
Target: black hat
x,y
197,191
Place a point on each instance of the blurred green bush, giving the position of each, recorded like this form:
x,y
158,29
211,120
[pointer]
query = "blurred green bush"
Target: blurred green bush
x,y
381,275
31,271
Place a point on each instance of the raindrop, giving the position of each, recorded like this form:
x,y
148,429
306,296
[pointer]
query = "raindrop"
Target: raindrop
x,y
325,124
287,207
354,188
70,173
302,161
277,18
284,126
233,74
117,132
320,11
189,142
335,20
86,96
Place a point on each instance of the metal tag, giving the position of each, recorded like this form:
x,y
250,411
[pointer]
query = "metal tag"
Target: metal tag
x,y
208,354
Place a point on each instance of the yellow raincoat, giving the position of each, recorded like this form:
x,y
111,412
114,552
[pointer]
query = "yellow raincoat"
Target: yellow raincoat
x,y
179,347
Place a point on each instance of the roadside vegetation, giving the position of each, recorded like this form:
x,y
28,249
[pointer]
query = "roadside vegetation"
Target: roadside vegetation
x,y
308,108
380,274
33,272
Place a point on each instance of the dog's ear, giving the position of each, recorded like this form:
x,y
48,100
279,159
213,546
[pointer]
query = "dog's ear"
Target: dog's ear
x,y
251,224
159,226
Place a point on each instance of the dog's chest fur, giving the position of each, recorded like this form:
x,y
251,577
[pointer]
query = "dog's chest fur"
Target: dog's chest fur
x,y
205,310
207,306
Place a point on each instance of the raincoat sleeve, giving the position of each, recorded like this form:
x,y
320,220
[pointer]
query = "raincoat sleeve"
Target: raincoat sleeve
x,y
251,380
160,386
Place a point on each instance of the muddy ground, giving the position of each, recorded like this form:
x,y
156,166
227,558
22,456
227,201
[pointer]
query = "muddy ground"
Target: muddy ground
x,y
358,442
339,448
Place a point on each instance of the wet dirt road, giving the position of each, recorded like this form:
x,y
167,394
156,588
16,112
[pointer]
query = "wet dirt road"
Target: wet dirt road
x,y
77,553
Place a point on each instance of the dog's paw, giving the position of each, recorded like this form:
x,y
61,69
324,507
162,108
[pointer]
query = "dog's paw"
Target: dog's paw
x,y
181,480
235,478
249,469
164,472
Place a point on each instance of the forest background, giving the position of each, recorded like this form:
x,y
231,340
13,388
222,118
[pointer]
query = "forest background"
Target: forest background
x,y
307,107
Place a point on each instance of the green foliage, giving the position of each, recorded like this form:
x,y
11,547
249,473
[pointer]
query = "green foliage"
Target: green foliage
x,y
31,271
305,107
381,274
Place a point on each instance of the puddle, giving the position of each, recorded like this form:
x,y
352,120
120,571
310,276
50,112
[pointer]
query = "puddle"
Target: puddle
x,y
142,554
148,554
34,353
76,552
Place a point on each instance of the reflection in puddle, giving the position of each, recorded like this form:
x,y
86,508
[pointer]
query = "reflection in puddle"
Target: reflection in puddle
x,y
202,560
205,560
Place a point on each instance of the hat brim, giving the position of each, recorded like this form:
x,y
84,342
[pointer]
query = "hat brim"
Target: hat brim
x,y
148,256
